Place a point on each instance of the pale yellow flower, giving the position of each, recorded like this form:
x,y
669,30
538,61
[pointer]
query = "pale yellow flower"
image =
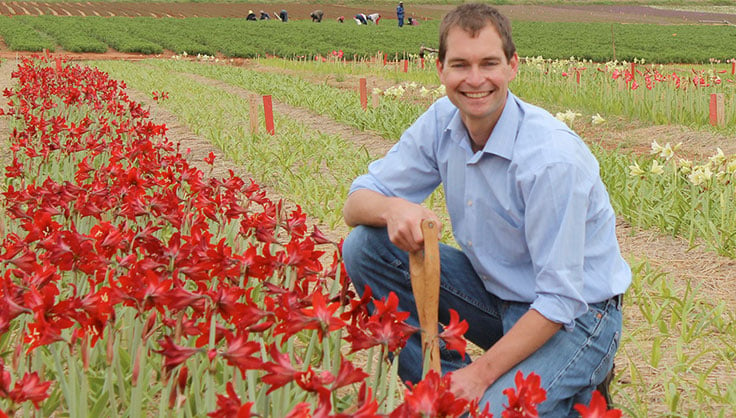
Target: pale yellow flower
x,y
700,174
598,119
635,170
656,168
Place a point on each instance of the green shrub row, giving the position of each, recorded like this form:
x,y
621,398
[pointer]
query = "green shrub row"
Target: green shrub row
x,y
233,37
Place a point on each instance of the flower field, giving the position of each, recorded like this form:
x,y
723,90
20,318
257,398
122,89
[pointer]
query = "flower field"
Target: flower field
x,y
162,258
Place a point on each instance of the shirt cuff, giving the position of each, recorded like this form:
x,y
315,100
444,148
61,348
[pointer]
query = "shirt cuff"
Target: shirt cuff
x,y
560,309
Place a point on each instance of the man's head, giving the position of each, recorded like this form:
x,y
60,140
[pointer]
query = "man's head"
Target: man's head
x,y
472,17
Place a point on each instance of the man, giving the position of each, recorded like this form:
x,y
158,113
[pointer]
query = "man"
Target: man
x,y
361,19
251,15
373,17
317,16
539,274
265,16
400,13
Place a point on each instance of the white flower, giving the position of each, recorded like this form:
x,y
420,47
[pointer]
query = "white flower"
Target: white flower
x,y
667,152
568,117
635,170
700,174
656,148
719,158
656,168
598,119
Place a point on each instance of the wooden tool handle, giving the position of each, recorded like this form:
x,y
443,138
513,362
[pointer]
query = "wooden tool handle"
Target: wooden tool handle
x,y
424,267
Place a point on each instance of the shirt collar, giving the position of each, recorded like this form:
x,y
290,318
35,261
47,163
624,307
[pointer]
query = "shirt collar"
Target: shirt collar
x,y
502,139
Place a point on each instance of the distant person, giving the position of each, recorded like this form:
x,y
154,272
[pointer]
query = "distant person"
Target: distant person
x,y
283,16
316,16
361,19
251,15
374,17
265,16
400,13
412,21
341,19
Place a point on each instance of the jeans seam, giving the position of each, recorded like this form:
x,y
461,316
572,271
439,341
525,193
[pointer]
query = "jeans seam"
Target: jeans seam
x,y
583,348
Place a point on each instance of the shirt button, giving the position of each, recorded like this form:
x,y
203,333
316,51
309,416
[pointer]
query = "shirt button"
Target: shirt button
x,y
470,203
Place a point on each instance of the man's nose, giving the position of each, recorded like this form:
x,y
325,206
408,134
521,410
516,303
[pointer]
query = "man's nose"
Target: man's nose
x,y
475,76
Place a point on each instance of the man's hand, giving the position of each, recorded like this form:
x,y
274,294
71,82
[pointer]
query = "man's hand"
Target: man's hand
x,y
404,223
469,383
402,219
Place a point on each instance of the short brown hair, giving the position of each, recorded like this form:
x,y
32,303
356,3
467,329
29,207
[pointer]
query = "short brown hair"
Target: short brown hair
x,y
472,18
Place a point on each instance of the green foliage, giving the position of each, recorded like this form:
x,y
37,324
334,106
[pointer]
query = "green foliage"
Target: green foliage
x,y
19,36
235,37
596,41
69,37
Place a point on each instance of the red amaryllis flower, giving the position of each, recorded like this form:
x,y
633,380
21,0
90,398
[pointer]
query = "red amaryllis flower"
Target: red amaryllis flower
x,y
239,351
318,237
321,316
453,333
431,397
280,371
348,374
385,327
597,408
174,354
524,400
30,388
230,406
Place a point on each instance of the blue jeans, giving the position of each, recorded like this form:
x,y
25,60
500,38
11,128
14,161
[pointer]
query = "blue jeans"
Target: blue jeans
x,y
570,364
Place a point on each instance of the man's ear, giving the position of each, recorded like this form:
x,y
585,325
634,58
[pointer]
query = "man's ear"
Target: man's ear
x,y
440,67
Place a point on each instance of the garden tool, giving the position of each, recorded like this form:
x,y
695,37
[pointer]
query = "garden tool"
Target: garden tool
x,y
424,267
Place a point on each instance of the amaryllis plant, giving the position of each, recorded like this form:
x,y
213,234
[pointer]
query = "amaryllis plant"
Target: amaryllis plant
x,y
133,284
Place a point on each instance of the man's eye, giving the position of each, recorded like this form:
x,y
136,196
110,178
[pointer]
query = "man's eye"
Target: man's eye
x,y
458,65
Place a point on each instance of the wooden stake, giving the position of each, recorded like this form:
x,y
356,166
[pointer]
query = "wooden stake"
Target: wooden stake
x,y
363,94
717,115
253,114
424,268
374,99
268,112
406,65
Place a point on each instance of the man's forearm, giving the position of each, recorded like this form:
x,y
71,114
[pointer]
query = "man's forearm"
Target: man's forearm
x,y
365,207
529,333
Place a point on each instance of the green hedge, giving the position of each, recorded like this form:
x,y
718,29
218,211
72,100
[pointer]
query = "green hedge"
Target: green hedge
x,y
233,37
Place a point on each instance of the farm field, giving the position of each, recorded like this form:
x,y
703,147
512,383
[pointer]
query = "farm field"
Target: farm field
x,y
680,339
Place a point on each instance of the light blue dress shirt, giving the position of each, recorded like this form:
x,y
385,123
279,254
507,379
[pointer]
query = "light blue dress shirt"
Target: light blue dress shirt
x,y
529,210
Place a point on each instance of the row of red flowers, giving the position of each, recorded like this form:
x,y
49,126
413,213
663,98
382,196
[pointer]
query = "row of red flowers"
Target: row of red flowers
x,y
121,258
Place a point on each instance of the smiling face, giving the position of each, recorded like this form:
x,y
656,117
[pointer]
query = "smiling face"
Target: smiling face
x,y
476,76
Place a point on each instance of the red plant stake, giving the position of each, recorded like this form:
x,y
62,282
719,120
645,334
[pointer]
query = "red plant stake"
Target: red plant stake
x,y
733,66
363,94
406,65
717,117
268,111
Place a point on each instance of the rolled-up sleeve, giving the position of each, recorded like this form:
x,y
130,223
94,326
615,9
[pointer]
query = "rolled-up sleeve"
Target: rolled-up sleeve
x,y
409,170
